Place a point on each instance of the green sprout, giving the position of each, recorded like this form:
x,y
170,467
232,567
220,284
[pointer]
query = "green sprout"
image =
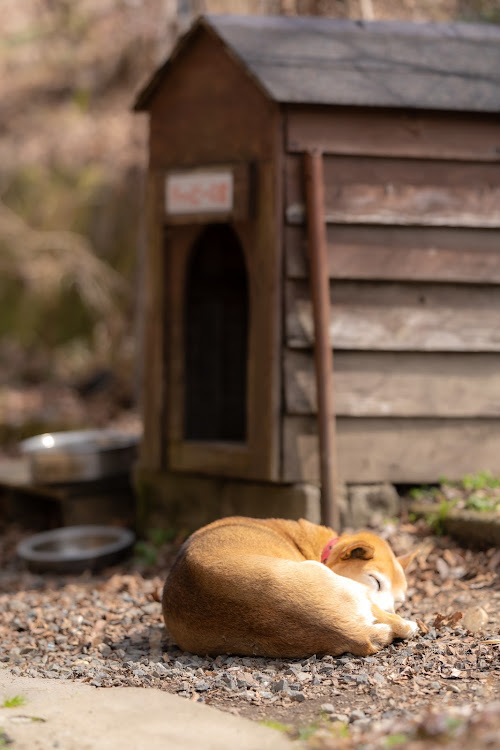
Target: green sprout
x,y
17,700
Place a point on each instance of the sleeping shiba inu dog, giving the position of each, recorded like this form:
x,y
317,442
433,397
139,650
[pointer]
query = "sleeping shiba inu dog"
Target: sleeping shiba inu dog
x,y
281,588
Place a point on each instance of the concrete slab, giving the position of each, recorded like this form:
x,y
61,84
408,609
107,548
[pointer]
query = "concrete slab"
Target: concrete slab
x,y
76,716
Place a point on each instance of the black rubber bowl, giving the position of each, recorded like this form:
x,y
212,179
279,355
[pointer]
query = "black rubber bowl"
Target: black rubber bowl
x,y
74,549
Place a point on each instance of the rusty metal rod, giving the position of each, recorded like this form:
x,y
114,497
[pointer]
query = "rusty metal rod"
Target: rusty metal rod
x,y
320,291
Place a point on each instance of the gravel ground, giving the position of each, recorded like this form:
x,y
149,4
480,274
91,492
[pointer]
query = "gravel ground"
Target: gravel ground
x,y
107,630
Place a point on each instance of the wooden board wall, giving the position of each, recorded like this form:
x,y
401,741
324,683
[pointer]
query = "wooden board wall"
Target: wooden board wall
x,y
208,112
413,232
403,451
399,384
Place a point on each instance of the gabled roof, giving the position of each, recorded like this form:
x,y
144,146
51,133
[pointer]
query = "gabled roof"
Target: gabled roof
x,y
326,61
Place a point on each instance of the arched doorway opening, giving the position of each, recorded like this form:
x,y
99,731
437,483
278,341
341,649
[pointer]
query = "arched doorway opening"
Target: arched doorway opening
x,y
216,318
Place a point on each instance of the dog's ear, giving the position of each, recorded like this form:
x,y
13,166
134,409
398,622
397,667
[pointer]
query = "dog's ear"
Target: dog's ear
x,y
406,560
357,549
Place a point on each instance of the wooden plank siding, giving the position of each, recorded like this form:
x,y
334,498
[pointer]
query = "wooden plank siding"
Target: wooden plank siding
x,y
393,134
398,384
460,255
392,316
413,233
196,122
407,119
152,451
395,450
415,192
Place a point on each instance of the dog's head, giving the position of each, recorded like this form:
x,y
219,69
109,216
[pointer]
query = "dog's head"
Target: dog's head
x,y
368,559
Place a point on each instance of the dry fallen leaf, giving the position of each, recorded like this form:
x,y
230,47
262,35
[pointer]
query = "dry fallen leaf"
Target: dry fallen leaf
x,y
439,621
449,620
454,618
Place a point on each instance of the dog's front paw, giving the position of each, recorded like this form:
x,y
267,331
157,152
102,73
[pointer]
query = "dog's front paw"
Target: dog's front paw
x,y
383,633
389,626
411,629
401,628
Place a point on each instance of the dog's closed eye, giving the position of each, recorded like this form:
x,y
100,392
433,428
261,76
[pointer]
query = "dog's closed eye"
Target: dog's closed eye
x,y
375,582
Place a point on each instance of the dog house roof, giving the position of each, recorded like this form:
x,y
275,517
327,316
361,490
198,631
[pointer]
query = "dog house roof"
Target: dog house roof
x,y
340,62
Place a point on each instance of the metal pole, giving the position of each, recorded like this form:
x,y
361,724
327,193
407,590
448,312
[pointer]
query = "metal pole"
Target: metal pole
x,y
320,291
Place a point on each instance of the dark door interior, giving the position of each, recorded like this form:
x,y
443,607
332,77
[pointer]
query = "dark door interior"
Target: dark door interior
x,y
216,337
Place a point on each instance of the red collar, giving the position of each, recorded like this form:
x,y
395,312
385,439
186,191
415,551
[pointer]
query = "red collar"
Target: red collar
x,y
328,548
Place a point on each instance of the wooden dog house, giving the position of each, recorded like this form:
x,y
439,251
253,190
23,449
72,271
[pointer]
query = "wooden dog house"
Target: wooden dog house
x,y
405,121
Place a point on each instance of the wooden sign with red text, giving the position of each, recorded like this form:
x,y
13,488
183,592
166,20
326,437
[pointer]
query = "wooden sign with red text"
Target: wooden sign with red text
x,y
199,192
207,194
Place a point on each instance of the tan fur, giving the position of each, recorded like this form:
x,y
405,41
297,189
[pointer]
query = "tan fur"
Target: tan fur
x,y
249,586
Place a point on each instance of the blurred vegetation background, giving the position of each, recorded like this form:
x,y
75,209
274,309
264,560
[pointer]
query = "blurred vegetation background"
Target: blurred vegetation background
x,y
72,162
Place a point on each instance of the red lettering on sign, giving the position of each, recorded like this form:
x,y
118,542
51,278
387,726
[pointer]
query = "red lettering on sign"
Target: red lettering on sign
x,y
201,191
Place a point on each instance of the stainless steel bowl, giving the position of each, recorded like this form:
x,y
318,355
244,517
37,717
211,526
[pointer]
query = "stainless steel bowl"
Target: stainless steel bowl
x,y
74,549
79,455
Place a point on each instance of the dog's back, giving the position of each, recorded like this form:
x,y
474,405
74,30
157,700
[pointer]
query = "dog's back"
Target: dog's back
x,y
257,587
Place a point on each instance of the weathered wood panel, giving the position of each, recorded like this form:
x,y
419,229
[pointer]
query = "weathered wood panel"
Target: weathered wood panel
x,y
400,192
259,457
153,376
401,253
395,134
188,455
196,119
394,450
398,384
196,122
398,317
